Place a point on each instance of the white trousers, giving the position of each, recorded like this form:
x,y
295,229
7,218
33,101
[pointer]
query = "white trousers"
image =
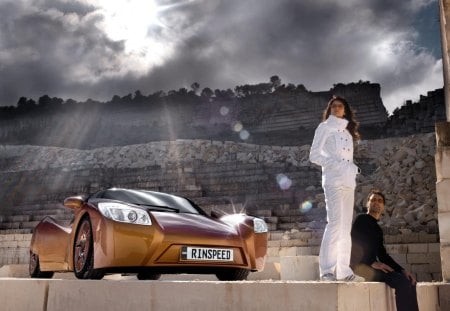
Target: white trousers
x,y
336,244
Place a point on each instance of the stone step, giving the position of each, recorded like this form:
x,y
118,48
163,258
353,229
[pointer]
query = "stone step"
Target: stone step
x,y
309,214
18,225
15,231
36,207
248,295
31,216
263,213
220,179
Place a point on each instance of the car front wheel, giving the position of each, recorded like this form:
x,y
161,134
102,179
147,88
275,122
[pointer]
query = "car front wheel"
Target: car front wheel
x,y
83,253
232,274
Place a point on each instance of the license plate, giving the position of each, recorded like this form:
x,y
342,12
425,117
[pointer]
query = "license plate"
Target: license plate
x,y
206,253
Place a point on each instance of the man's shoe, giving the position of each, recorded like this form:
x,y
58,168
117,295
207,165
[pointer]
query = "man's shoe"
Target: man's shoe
x,y
328,277
353,278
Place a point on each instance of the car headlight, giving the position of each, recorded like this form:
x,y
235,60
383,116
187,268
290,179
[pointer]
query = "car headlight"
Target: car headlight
x,y
259,225
124,213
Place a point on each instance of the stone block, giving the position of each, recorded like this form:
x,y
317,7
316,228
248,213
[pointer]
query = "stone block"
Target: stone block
x,y
437,277
22,294
288,251
300,268
275,235
390,239
211,296
436,266
310,250
434,247
444,226
442,160
396,248
271,272
273,243
365,296
445,262
418,248
424,277
444,296
416,268
443,195
302,235
400,258
273,251
14,270
410,237
427,296
8,244
296,242
6,237
428,237
420,258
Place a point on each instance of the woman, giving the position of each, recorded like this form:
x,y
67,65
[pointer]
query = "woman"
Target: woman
x,y
332,149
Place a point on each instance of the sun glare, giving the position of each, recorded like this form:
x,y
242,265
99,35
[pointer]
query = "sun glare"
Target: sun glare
x,y
130,21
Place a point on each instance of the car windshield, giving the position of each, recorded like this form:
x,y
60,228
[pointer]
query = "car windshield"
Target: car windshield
x,y
151,199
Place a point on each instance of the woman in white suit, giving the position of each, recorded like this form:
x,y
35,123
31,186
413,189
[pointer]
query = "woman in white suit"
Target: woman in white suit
x,y
332,149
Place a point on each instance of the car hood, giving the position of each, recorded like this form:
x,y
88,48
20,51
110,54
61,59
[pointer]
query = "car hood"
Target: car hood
x,y
193,224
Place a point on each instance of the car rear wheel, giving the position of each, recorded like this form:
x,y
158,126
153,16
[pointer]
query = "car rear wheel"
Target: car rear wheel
x,y
35,269
232,274
148,276
83,253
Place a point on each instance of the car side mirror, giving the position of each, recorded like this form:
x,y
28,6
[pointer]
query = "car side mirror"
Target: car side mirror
x,y
73,202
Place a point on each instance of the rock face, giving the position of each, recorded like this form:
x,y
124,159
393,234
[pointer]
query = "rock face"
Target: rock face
x,y
278,183
280,118
404,170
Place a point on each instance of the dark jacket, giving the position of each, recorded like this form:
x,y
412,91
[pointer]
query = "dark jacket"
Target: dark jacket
x,y
367,243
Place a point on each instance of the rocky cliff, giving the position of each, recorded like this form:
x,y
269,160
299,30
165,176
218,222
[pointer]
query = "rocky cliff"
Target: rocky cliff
x,y
262,179
282,117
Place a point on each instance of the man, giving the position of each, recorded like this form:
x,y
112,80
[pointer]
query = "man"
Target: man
x,y
370,259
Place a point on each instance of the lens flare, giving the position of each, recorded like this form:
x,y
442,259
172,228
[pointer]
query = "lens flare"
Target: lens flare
x,y
224,110
305,206
244,134
237,126
284,182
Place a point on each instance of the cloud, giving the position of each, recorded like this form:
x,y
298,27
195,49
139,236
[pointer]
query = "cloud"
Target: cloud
x,y
65,48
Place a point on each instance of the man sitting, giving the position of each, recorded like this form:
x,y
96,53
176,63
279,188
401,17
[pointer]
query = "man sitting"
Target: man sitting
x,y
370,259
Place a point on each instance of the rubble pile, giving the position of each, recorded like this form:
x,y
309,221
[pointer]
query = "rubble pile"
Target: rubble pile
x,y
404,169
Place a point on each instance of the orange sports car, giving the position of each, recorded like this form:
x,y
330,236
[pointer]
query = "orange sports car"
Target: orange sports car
x,y
148,233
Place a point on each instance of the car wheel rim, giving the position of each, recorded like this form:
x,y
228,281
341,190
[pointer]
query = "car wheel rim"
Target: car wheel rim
x,y
33,262
82,246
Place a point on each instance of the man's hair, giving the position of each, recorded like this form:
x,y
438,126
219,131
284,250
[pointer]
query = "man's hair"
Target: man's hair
x,y
377,192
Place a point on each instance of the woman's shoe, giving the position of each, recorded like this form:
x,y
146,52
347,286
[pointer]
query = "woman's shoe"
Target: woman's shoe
x,y
328,277
353,278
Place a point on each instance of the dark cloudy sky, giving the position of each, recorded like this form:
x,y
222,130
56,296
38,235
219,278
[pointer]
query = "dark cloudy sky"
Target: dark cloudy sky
x,y
99,48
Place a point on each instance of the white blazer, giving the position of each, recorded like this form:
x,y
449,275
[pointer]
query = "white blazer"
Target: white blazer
x,y
332,148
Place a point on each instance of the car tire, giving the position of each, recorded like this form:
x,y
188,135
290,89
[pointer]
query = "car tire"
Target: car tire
x,y
144,275
233,274
35,269
83,253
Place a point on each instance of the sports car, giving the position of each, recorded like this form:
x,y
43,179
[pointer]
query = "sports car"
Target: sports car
x,y
146,233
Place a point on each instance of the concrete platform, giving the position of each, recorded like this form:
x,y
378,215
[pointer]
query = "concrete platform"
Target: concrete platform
x,y
275,288
131,294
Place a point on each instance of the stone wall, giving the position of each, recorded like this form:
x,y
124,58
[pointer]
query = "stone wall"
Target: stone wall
x,y
246,173
417,117
276,183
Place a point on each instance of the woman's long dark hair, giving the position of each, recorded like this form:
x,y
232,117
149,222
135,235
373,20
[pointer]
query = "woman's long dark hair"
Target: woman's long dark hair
x,y
352,125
